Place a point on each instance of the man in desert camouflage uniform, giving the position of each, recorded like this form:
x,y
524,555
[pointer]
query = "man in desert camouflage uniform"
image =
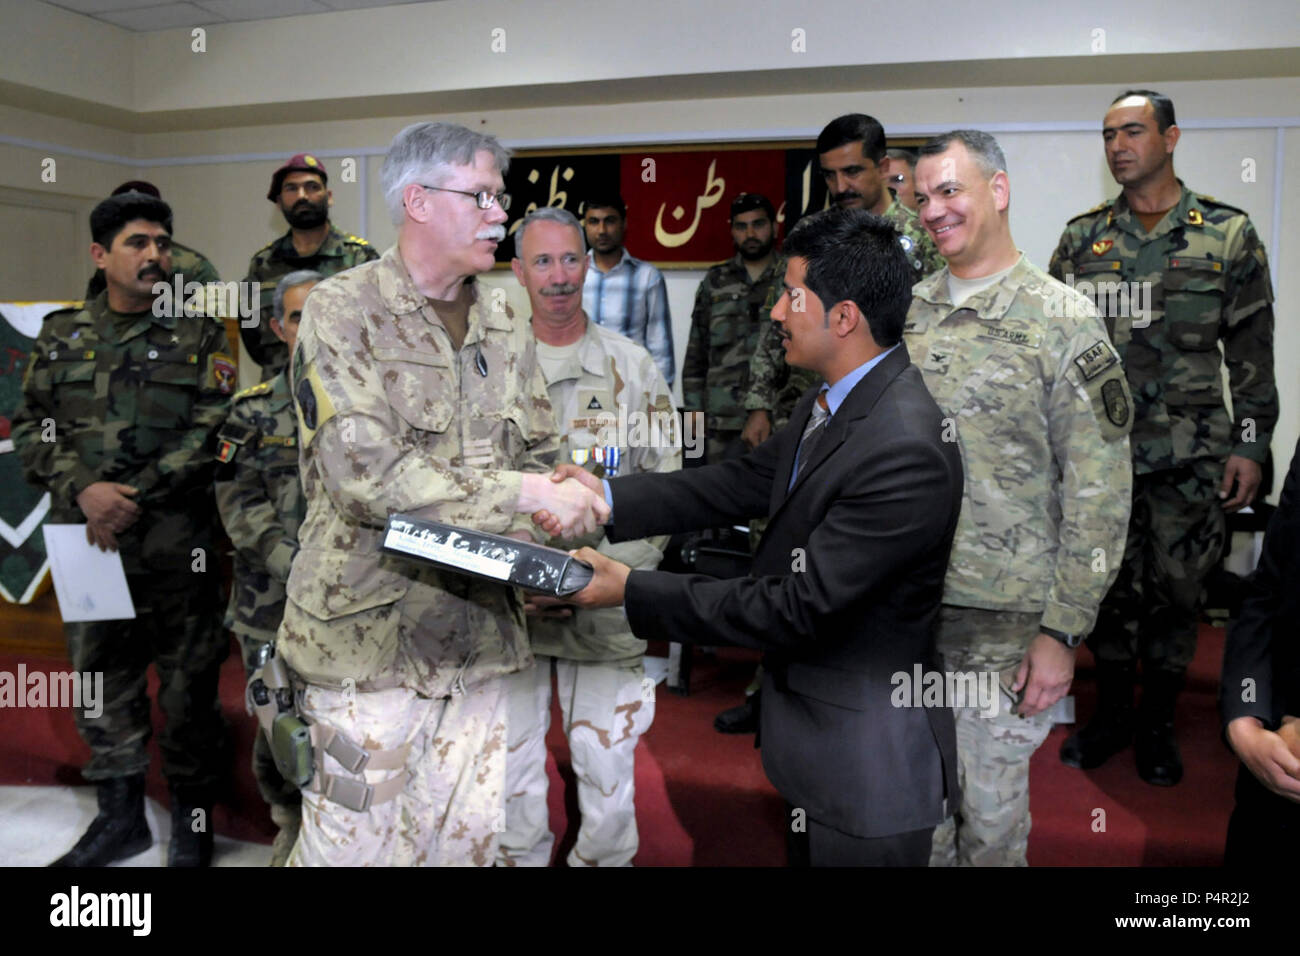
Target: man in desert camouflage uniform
x,y
260,500
1175,273
594,377
1037,399
312,242
851,150
414,397
122,401
726,323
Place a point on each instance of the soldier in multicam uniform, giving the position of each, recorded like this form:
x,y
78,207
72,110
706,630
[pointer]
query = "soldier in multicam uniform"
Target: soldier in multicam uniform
x,y
413,397
595,377
312,242
190,264
1041,410
853,161
260,500
121,408
1193,274
728,318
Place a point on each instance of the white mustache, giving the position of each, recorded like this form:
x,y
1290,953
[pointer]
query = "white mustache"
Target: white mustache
x,y
497,233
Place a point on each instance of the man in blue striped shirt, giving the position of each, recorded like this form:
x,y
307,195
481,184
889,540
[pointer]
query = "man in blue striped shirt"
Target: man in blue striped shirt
x,y
622,292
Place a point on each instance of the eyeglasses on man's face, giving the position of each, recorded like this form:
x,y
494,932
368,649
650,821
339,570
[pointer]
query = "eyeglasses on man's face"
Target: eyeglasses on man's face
x,y
485,199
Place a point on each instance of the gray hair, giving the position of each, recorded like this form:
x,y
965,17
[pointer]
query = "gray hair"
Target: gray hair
x,y
548,214
906,155
984,149
423,152
291,281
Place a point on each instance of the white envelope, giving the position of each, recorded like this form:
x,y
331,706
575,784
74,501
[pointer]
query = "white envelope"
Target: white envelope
x,y
90,584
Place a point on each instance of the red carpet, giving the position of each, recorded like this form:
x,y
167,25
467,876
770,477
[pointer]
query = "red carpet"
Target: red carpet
x,y
702,798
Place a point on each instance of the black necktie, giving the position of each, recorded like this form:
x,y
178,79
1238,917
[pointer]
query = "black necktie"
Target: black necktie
x,y
812,434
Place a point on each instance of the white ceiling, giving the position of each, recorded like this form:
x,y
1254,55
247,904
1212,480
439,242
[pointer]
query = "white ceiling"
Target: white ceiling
x,y
144,16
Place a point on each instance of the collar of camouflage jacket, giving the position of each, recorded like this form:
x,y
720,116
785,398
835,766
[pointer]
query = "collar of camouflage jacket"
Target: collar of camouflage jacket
x,y
989,304
331,247
1188,211
401,297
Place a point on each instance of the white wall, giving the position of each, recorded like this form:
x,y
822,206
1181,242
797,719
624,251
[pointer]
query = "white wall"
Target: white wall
x,y
1049,133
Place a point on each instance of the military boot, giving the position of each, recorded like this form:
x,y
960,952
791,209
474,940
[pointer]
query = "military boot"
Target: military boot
x,y
118,831
1111,728
191,827
1158,760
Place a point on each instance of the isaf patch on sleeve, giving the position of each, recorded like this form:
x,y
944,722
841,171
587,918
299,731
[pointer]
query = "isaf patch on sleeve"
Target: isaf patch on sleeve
x,y
1096,359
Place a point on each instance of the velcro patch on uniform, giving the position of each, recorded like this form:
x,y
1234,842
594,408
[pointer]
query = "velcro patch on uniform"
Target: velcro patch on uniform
x,y
1095,359
1116,402
223,373
996,333
315,407
1185,262
937,361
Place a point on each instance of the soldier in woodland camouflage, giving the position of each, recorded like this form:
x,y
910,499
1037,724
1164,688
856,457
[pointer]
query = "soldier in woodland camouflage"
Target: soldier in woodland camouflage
x,y
1040,408
726,323
312,242
853,161
414,397
190,264
260,500
594,376
122,402
1176,273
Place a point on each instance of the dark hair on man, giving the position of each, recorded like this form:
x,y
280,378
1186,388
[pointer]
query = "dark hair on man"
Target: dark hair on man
x,y
854,128
855,255
1163,106
983,148
111,216
906,155
613,201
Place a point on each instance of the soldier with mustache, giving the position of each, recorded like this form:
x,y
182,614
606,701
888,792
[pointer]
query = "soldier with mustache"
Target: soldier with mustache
x,y
312,242
121,404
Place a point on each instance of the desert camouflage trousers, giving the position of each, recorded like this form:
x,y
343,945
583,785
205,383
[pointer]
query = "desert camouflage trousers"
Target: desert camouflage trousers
x,y
991,826
606,707
1175,538
451,811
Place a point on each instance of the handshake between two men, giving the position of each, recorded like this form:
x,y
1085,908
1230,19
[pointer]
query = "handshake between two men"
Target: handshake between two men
x,y
568,503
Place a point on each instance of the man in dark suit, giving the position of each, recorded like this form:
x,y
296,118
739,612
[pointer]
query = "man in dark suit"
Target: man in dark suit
x,y
862,496
1260,695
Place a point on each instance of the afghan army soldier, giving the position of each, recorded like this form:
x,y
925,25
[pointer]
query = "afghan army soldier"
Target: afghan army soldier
x,y
312,242
414,397
854,164
596,379
1036,398
261,504
122,402
190,264
726,323
1176,274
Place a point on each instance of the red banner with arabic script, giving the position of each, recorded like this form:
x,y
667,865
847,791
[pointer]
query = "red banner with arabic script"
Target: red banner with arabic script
x,y
678,199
